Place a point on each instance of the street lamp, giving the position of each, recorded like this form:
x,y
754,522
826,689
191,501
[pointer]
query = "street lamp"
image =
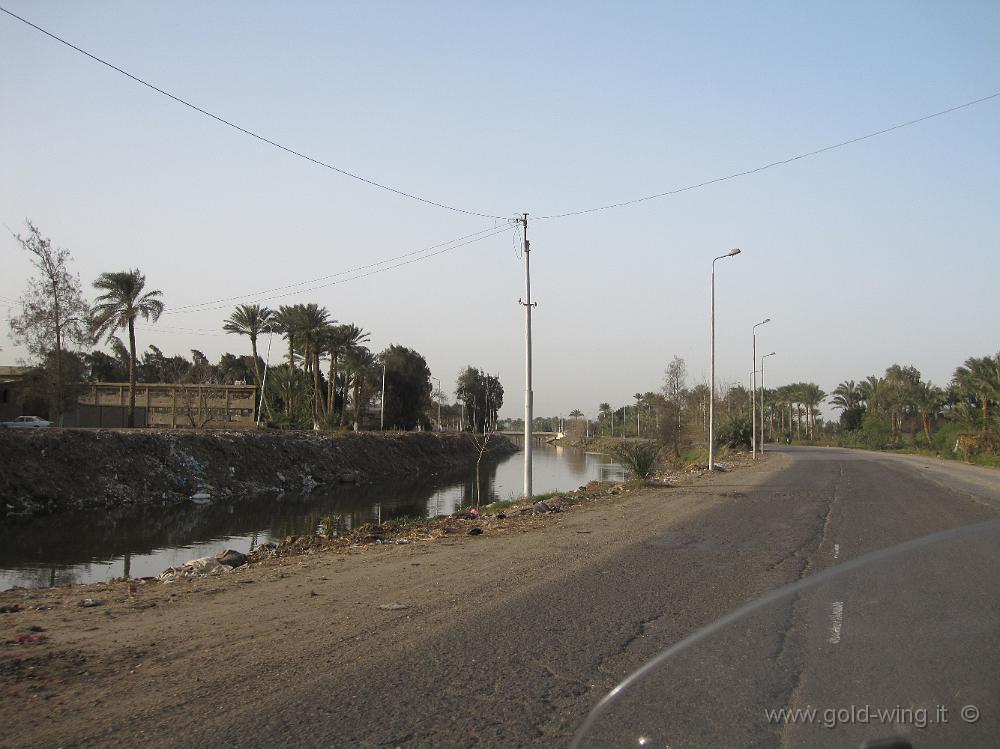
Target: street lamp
x,y
762,399
711,395
438,400
753,416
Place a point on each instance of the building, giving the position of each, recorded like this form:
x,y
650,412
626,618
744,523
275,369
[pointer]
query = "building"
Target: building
x,y
13,387
169,406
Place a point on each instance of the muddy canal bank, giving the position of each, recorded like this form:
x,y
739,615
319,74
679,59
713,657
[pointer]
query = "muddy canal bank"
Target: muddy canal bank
x,y
48,471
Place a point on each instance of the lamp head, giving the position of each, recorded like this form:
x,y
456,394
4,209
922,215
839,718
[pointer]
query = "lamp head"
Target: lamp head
x,y
734,251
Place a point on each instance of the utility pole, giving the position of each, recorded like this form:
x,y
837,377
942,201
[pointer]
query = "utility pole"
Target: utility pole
x,y
382,417
753,416
528,396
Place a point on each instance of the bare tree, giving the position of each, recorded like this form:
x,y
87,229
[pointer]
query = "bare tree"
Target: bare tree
x,y
54,314
482,441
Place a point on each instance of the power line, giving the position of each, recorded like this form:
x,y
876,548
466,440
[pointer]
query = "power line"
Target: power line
x,y
156,328
189,307
356,277
567,214
244,130
773,164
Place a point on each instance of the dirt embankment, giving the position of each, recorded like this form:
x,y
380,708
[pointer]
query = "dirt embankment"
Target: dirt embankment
x,y
52,470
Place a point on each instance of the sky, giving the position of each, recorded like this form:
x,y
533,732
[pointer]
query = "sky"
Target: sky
x,y
880,252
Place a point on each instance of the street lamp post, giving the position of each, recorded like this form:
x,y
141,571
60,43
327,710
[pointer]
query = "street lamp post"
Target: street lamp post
x,y
711,395
762,399
753,416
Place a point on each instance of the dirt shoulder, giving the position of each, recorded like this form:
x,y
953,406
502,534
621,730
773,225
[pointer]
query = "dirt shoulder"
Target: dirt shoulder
x,y
147,662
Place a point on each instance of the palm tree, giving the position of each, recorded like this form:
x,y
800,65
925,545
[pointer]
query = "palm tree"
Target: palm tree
x,y
846,396
283,384
604,412
361,363
121,303
313,323
979,378
287,321
250,320
338,340
812,395
873,393
929,401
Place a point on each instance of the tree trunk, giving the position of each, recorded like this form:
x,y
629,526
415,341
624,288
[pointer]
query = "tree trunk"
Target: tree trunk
x,y
256,366
59,362
291,374
986,416
357,403
318,400
345,416
927,430
331,386
131,374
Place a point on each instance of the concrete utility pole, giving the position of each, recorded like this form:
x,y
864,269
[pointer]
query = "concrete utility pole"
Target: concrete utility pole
x,y
753,393
711,394
382,418
762,399
528,405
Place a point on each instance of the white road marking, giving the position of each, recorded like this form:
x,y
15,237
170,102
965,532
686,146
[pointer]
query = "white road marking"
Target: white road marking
x,y
836,621
836,551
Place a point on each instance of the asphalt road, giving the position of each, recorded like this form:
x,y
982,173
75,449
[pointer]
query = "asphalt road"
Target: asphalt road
x,y
918,631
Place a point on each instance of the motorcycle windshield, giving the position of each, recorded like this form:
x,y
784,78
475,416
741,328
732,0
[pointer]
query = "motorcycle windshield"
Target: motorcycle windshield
x,y
900,643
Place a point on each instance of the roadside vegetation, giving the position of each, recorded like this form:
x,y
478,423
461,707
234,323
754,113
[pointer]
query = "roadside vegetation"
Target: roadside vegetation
x,y
316,372
901,411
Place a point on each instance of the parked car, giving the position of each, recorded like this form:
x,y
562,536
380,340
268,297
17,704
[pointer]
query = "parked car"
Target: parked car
x,y
26,422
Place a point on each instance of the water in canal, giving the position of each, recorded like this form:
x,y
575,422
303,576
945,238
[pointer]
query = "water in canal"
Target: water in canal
x,y
94,545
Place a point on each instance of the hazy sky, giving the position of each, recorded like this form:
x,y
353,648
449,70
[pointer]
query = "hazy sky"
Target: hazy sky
x,y
880,252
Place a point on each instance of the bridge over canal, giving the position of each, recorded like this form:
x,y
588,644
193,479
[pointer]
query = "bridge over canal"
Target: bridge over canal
x,y
537,438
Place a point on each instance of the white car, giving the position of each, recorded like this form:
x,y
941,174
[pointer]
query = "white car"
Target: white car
x,y
26,422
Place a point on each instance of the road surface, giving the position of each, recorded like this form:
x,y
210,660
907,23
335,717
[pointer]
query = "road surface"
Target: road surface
x,y
510,641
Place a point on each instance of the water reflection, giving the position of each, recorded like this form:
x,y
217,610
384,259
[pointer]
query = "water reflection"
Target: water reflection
x,y
140,541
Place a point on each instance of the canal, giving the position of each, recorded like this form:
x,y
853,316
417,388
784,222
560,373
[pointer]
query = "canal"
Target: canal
x,y
95,545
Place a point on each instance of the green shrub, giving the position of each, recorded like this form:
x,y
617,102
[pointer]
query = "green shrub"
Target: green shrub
x,y
947,434
874,432
638,457
735,432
